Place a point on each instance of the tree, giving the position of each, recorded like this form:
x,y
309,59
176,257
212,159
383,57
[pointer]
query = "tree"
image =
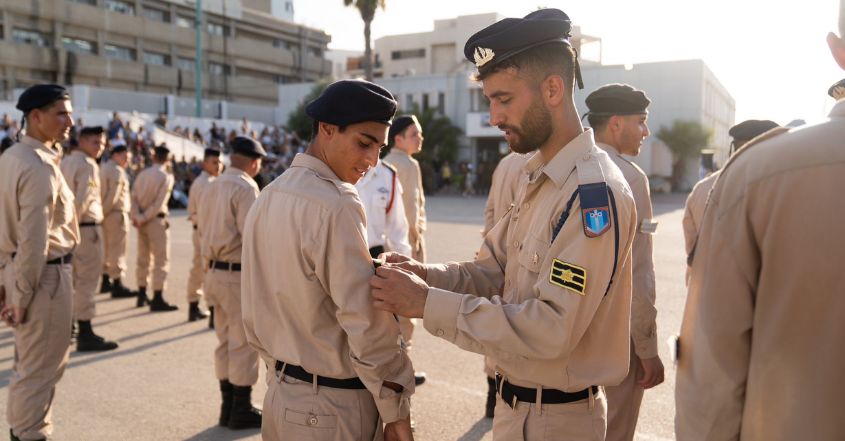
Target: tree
x,y
440,143
367,8
298,121
685,139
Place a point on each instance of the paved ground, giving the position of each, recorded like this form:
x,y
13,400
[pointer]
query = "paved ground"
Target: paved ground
x,y
160,384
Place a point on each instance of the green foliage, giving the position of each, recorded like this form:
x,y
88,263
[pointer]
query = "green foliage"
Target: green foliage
x,y
685,139
440,143
298,121
367,8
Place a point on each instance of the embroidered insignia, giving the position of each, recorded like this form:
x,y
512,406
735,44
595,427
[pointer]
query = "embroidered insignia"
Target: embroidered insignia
x,y
596,221
648,226
92,184
383,190
569,276
595,208
483,56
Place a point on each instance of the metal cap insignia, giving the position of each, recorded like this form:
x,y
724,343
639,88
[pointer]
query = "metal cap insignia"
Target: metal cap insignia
x,y
483,56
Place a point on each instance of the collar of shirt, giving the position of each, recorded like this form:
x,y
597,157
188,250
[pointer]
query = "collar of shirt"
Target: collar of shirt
x,y
313,163
232,171
83,155
371,174
562,164
44,150
611,150
838,110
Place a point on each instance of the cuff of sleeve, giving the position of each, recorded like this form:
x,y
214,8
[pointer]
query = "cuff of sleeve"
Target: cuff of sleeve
x,y
647,347
441,313
393,406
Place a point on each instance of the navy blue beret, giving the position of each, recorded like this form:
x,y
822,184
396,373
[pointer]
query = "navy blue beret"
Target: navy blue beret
x,y
348,102
211,152
617,99
400,123
119,148
750,129
162,150
41,95
92,130
837,91
248,147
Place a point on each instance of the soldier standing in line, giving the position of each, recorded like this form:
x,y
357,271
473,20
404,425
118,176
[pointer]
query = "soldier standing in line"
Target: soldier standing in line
x,y
114,183
381,195
618,114
211,167
222,213
149,215
82,175
38,234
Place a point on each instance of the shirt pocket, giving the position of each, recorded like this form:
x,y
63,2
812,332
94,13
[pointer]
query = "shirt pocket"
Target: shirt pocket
x,y
532,253
63,211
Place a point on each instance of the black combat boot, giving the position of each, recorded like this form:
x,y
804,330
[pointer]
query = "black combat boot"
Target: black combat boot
x,y
243,415
195,313
105,286
88,341
143,300
14,438
159,305
491,398
118,291
210,317
226,406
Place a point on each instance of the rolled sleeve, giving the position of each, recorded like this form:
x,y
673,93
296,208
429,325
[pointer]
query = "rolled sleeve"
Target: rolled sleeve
x,y
441,313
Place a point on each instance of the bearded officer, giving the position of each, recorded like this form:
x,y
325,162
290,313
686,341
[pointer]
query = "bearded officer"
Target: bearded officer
x,y
38,234
149,215
337,370
82,174
211,166
114,182
618,114
223,207
561,258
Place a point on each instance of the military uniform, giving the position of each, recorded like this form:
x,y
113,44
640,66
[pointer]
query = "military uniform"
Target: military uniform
x,y
381,194
503,189
195,279
413,198
757,357
116,205
694,211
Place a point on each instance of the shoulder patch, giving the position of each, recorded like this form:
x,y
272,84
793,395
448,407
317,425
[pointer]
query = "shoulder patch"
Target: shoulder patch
x,y
569,276
592,191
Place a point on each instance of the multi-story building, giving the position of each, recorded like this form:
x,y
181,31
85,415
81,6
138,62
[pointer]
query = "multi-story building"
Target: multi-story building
x,y
249,47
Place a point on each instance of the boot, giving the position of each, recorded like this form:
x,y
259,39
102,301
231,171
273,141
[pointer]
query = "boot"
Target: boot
x,y
88,341
105,286
14,438
210,317
243,415
142,297
118,291
491,398
195,313
159,305
226,407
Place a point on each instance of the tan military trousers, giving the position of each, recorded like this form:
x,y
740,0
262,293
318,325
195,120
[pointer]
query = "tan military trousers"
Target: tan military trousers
x,y
198,267
623,403
295,410
87,268
154,241
584,420
42,346
406,328
234,359
419,250
115,232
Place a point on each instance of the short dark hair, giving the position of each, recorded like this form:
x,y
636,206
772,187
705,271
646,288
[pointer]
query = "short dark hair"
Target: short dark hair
x,y
554,58
598,122
161,156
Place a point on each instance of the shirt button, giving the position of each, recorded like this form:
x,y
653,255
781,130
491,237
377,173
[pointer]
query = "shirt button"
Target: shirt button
x,y
516,244
536,258
312,421
526,205
440,333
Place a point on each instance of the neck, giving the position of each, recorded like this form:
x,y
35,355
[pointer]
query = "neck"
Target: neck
x,y
38,135
317,150
402,149
566,127
604,138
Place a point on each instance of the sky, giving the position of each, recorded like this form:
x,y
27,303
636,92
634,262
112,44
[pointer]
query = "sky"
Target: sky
x,y
771,55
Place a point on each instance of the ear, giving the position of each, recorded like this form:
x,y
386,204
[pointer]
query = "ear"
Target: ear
x,y
615,123
328,130
553,89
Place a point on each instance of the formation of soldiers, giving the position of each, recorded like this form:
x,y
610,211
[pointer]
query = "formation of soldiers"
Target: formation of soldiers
x,y
321,274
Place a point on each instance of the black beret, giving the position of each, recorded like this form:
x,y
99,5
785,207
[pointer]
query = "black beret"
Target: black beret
x,y
248,147
750,129
211,152
400,123
348,102
119,148
837,91
92,130
41,95
617,99
162,150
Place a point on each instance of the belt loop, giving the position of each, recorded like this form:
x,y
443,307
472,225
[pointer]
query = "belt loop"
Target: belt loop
x,y
314,383
539,403
592,398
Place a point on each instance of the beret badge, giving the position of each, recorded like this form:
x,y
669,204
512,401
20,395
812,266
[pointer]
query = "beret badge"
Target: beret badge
x,y
483,56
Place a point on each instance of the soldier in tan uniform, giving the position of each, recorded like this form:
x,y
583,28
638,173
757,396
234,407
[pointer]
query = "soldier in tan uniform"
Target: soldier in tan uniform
x,y
211,167
548,298
38,234
618,114
222,213
82,175
760,349
114,189
149,215
336,368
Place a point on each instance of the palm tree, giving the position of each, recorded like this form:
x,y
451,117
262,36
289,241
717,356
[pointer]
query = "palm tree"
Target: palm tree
x,y
367,8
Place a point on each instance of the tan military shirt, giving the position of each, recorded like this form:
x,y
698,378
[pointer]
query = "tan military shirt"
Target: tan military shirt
x,y
553,325
761,341
151,192
82,175
114,188
37,218
694,209
503,188
412,192
222,213
305,283
195,195
643,312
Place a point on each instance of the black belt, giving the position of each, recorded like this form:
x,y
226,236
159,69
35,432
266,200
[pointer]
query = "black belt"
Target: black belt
x,y
88,224
292,370
161,215
67,258
228,266
511,393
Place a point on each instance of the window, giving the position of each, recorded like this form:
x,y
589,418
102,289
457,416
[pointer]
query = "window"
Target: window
x,y
283,44
184,22
156,59
219,68
217,29
441,103
157,15
407,53
185,64
86,2
30,37
118,52
78,45
119,6
315,52
409,101
425,102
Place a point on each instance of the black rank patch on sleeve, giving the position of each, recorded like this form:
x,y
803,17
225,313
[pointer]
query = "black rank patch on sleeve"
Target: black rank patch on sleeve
x,y
569,276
